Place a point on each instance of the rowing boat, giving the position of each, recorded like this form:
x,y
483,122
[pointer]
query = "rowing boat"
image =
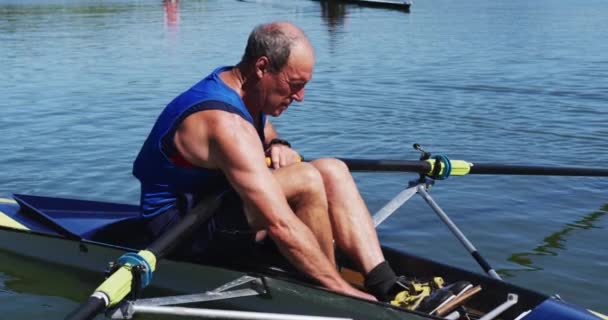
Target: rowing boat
x,y
89,234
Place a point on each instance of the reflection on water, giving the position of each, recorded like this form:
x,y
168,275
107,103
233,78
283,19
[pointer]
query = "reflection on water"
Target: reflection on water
x,y
554,242
333,14
171,14
21,274
3,279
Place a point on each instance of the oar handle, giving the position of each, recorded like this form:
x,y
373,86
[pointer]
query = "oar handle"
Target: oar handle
x,y
269,161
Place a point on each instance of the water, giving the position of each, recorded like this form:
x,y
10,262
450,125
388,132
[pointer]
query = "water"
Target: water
x,y
509,82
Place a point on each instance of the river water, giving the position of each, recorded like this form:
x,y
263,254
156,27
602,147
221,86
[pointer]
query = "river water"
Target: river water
x,y
514,82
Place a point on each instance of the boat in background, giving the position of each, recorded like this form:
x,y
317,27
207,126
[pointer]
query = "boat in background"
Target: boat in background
x,y
387,4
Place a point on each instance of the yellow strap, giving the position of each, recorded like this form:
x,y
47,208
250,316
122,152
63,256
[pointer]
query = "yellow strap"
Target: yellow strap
x,y
411,299
7,221
412,296
5,200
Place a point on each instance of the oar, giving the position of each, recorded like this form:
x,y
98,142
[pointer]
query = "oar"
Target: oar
x,y
440,167
118,285
461,168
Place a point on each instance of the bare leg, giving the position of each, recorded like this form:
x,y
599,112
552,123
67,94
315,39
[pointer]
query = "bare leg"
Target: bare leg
x,y
352,225
304,190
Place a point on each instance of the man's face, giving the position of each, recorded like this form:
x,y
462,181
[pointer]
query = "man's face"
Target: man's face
x,y
288,84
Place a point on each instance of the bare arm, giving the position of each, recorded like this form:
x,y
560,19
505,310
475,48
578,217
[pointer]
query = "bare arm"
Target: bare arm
x,y
216,139
269,132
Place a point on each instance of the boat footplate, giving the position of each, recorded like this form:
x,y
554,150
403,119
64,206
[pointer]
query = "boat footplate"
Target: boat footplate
x,y
460,300
244,286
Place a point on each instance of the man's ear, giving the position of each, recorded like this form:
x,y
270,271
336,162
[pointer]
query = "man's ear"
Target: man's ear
x,y
262,65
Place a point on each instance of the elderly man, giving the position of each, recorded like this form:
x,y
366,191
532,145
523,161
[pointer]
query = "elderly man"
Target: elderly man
x,y
216,136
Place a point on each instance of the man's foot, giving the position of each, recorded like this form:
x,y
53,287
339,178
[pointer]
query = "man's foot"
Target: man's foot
x,y
426,296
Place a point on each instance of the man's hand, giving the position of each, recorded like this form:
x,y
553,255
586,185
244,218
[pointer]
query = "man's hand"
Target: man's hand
x,y
282,155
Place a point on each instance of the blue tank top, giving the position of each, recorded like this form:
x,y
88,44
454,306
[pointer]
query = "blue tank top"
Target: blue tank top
x,y
163,180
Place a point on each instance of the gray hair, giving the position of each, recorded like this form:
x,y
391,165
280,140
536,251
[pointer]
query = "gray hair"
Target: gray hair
x,y
273,41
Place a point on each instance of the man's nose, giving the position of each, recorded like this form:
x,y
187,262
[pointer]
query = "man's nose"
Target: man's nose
x,y
299,96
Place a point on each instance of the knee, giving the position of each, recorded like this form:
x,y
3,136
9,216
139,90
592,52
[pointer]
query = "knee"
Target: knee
x,y
331,169
309,178
308,185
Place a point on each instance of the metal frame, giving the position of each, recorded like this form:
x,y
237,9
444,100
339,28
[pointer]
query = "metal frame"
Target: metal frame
x,y
511,301
244,286
421,186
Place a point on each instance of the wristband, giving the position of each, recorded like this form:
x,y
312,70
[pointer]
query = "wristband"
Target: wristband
x,y
279,141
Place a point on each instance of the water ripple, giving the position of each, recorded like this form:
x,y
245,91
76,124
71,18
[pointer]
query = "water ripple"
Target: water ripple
x,y
509,82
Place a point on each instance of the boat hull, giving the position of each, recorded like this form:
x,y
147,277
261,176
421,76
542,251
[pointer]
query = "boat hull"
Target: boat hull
x,y
61,232
283,296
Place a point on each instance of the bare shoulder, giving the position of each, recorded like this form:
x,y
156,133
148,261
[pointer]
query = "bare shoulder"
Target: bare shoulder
x,y
215,122
202,135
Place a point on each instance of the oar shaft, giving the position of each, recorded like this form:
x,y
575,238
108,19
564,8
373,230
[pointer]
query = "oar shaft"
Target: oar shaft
x,y
172,237
89,309
489,168
425,167
165,244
